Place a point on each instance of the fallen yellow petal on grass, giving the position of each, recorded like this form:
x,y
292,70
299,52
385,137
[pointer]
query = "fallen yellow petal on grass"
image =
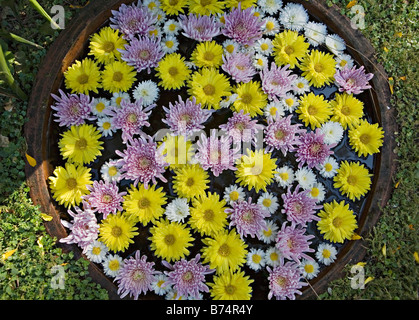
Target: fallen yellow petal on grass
x,y
397,184
356,236
415,254
398,34
391,84
7,254
31,161
385,49
384,250
351,4
361,264
369,279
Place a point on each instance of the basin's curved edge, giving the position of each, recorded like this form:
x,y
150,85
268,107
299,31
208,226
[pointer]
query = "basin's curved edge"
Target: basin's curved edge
x,y
72,41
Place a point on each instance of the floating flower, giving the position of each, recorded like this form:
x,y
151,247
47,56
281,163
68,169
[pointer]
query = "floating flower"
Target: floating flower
x,y
270,26
293,16
284,176
231,286
329,167
284,281
301,86
305,178
268,201
318,68
289,48
315,33
177,210
239,66
112,265
105,45
317,192
255,259
274,110
159,284
326,253
263,46
312,150
173,7
241,128
366,138
353,80
352,179
337,222
233,193
169,44
335,43
96,251
270,6
332,131
272,257
207,54
82,77
190,181
347,110
309,269
101,107
118,76
199,28
268,235
110,171
276,81
147,91
105,126
251,98
172,71
314,110
206,8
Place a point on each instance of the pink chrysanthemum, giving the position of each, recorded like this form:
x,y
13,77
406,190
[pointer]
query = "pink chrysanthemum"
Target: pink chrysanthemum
x,y
142,161
241,127
352,80
200,28
312,150
239,66
277,81
293,243
84,227
299,207
243,26
131,117
186,117
216,153
143,53
280,134
72,109
284,281
188,277
104,197
248,218
132,20
136,276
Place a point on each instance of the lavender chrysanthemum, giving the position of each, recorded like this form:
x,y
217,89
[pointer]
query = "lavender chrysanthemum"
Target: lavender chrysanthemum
x,y
199,28
277,81
284,281
142,161
312,149
352,80
135,276
241,127
185,117
216,153
293,242
104,197
72,109
299,207
248,218
84,227
131,117
132,20
282,135
243,26
239,66
143,53
188,277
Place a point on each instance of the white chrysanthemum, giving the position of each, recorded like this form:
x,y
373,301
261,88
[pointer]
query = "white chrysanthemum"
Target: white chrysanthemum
x,y
315,33
326,253
335,44
169,44
274,110
228,101
152,5
230,46
301,86
268,235
309,269
270,26
329,167
290,102
260,61
159,285
255,259
161,18
293,16
268,201
344,60
148,91
110,171
105,126
285,176
270,6
112,264
173,295
117,98
272,257
333,132
263,46
233,194
305,178
177,210
96,251
318,192
171,27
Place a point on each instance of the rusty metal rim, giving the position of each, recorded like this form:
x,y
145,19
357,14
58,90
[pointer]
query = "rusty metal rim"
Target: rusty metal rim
x,y
71,43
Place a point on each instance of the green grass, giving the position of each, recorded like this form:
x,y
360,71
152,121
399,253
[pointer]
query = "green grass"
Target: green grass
x,y
26,274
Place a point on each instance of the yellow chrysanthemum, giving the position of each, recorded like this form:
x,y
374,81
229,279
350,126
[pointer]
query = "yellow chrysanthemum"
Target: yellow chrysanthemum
x,y
81,144
117,232
250,98
314,110
170,240
289,48
208,54
69,184
226,252
207,214
347,110
145,205
172,71
231,286
118,76
177,152
337,222
318,68
206,7
83,76
173,7
104,45
244,4
190,181
209,87
352,179
256,170
366,138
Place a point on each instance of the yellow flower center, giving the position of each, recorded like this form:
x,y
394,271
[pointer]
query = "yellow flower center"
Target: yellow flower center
x,y
112,171
264,46
173,71
81,144
284,176
230,289
96,250
71,183
209,89
117,76
268,232
273,111
144,203
256,258
83,78
169,43
224,250
267,202
190,182
107,198
100,106
118,101
312,110
234,195
173,2
318,67
246,98
300,85
328,167
365,138
309,268
108,46
315,192
169,239
346,110
352,180
273,256
208,215
289,50
270,25
230,48
113,265
106,125
337,222
289,102
326,253
116,231
209,56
